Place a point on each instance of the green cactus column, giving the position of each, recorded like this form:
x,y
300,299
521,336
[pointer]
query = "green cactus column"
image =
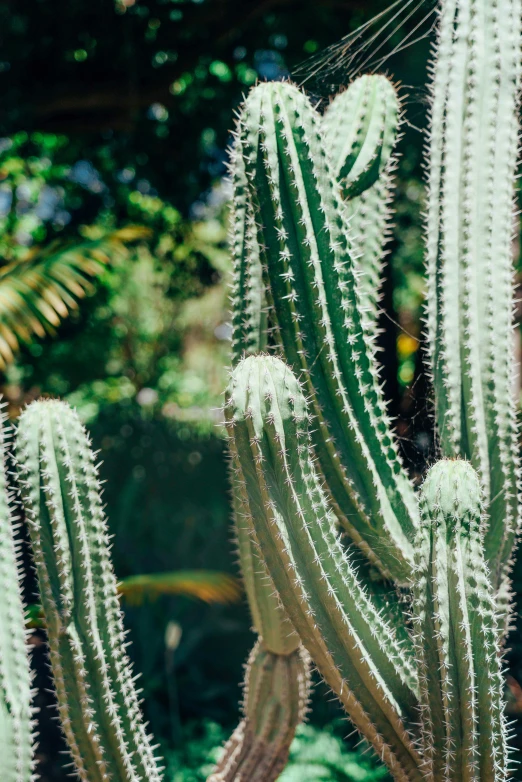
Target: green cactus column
x,y
357,651
473,155
97,700
360,131
16,727
455,622
304,237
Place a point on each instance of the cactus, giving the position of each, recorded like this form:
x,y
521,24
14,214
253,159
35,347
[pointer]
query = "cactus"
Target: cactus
x,y
303,231
276,694
463,730
469,260
310,441
407,632
97,700
16,729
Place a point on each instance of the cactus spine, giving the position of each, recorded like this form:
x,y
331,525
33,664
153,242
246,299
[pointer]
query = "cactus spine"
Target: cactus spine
x,y
16,739
97,701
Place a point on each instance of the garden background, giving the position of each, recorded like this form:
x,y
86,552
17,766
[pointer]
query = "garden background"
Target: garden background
x,y
114,269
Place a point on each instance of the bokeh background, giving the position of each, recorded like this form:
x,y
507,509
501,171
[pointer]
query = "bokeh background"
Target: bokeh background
x,y
114,125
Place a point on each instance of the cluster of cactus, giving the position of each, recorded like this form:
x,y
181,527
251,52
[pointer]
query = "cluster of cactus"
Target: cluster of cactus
x,y
408,632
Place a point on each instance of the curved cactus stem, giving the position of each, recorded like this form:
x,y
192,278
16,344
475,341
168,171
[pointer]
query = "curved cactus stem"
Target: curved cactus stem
x,y
268,616
312,277
275,701
355,649
369,101
473,154
16,726
360,130
464,731
97,700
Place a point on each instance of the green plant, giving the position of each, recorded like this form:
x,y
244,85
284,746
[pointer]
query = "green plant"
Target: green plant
x,y
418,672
310,440
39,291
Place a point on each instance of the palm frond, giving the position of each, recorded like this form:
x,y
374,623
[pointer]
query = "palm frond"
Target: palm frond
x,y
207,585
210,586
38,292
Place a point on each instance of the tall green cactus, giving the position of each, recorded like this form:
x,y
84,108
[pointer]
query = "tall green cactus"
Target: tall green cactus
x,y
97,700
16,729
469,256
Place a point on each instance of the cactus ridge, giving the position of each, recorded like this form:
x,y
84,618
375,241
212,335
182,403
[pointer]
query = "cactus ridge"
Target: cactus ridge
x,y
473,148
454,615
275,702
98,703
17,742
356,651
314,287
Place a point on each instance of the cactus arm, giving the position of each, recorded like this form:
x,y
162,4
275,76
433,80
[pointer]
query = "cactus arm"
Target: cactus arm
x,y
473,151
369,99
312,281
98,703
275,700
16,727
360,130
464,732
355,650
